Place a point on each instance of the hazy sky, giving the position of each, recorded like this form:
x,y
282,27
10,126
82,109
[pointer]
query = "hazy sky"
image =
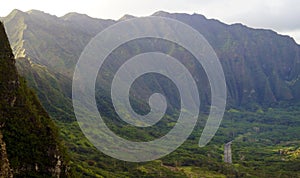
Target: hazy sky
x,y
282,16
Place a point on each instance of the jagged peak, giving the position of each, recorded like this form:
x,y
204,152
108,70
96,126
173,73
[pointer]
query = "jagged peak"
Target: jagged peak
x,y
14,13
199,15
40,13
126,17
161,13
180,15
73,15
166,14
33,11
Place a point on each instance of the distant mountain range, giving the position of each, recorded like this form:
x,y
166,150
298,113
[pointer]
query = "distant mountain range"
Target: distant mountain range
x,y
261,67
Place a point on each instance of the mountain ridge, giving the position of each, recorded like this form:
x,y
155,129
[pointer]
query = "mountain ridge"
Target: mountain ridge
x,y
66,37
30,145
261,68
157,13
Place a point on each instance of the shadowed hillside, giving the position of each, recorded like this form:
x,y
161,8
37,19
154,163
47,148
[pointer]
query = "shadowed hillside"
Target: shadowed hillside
x,y
30,146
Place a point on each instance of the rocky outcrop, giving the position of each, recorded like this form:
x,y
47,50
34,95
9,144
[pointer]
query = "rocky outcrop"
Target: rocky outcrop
x,y
5,170
227,153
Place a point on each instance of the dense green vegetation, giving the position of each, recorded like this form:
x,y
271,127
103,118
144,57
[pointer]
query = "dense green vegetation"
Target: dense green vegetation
x,y
265,144
32,139
261,69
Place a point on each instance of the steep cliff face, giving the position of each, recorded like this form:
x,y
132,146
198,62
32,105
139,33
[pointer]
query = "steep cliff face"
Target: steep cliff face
x,y
260,66
29,143
5,170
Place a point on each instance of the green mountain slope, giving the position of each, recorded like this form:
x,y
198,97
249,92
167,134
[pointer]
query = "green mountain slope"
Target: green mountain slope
x,y
260,66
30,144
262,73
48,59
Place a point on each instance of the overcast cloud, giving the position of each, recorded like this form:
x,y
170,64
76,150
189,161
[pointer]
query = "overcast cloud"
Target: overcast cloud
x,y
282,16
275,14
